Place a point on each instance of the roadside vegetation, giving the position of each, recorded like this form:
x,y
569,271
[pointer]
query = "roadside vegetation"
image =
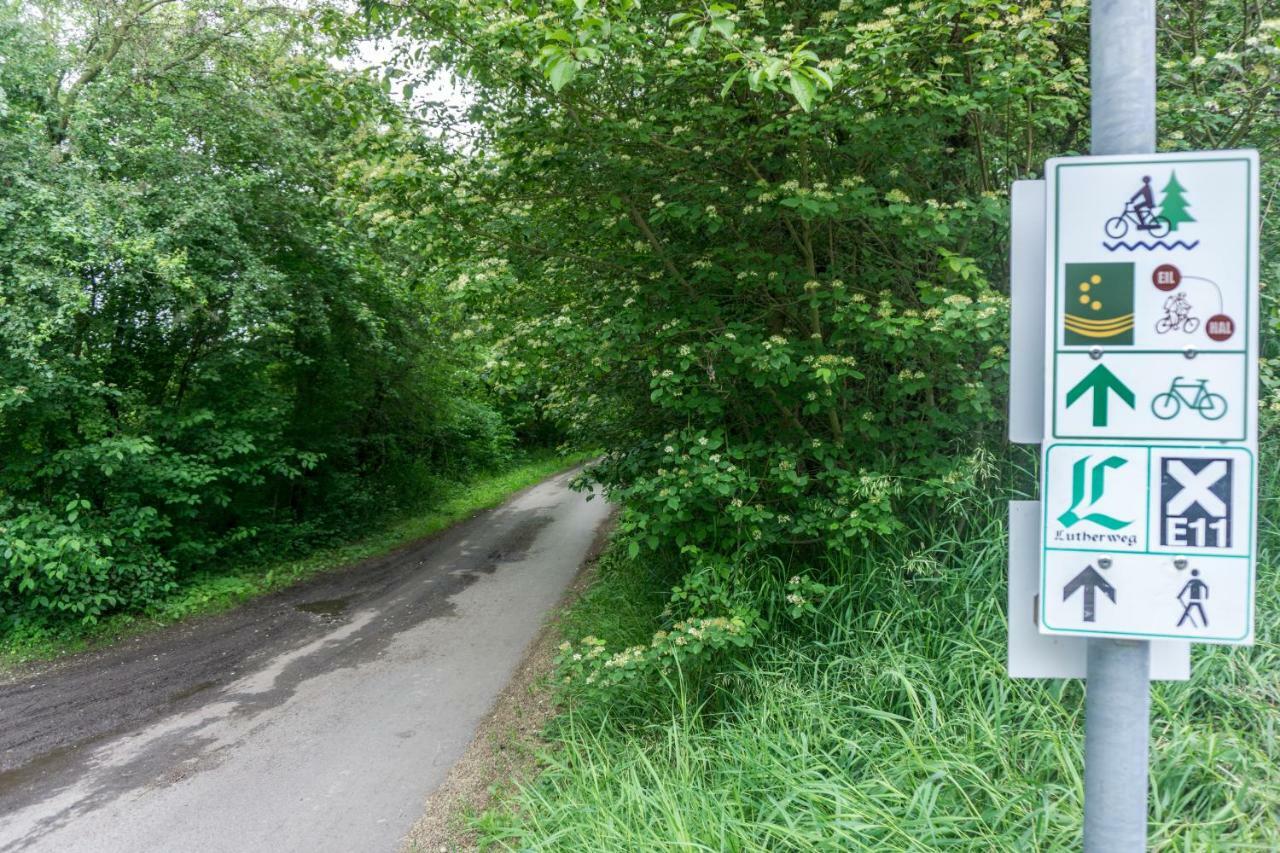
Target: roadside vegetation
x,y
213,591
876,716
254,305
205,363
758,252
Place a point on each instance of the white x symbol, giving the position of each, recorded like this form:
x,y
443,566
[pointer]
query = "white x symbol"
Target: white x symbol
x,y
1195,488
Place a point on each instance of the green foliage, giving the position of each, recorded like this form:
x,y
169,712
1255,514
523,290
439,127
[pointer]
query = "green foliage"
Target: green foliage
x,y
739,245
212,591
758,249
883,720
199,359
707,618
717,610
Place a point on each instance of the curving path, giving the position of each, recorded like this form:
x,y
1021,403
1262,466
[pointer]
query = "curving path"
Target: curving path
x,y
316,719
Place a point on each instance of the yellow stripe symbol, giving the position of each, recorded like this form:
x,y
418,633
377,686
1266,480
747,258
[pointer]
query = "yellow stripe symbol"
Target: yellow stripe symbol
x,y
1090,328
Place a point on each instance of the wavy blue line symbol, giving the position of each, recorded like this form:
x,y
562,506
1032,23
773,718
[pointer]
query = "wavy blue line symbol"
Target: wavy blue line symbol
x,y
1150,247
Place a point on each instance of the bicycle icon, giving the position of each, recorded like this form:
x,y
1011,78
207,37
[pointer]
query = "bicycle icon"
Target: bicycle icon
x,y
1177,314
1168,404
1118,226
1170,322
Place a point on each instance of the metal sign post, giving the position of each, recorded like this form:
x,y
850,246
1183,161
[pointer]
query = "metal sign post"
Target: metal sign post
x,y
1148,295
1118,698
1122,78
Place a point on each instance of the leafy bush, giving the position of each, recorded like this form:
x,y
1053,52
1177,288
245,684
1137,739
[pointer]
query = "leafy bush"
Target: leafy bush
x,y
81,562
199,360
758,250
882,718
473,435
755,276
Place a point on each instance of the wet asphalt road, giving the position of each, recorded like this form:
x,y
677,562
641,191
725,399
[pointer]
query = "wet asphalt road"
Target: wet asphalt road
x,y
316,719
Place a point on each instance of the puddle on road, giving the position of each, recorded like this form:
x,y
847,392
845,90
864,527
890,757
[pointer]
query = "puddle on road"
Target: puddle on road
x,y
328,609
19,781
188,692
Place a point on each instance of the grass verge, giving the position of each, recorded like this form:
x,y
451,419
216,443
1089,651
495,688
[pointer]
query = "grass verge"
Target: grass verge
x,y
216,591
885,721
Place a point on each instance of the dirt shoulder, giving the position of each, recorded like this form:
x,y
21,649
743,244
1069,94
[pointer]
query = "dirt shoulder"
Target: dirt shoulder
x,y
504,749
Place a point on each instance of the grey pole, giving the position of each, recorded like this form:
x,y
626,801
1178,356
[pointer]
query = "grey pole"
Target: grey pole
x,y
1122,71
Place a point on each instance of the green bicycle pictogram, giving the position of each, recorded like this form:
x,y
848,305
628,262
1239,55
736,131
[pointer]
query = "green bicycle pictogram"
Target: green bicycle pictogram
x,y
1168,404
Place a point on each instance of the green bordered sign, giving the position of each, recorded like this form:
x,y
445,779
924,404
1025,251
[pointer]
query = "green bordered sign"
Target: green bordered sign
x,y
1149,541
1149,470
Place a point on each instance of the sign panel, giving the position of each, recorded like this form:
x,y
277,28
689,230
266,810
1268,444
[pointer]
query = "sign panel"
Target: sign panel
x,y
1149,491
1152,287
1148,541
1026,312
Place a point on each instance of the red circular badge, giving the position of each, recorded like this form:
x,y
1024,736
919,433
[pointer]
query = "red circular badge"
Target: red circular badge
x,y
1166,277
1220,327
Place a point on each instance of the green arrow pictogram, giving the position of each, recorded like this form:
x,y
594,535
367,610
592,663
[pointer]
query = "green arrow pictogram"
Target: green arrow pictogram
x,y
1100,381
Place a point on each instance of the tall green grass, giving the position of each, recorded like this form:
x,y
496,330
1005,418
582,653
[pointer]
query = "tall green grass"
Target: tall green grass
x,y
887,722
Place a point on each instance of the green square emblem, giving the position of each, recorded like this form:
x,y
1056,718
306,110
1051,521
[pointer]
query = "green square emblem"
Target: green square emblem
x,y
1098,304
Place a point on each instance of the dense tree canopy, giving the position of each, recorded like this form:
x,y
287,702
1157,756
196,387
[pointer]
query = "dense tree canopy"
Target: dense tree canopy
x,y
197,354
754,251
758,249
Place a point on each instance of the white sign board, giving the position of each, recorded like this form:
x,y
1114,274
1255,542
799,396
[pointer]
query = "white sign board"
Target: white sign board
x,y
1026,312
1151,356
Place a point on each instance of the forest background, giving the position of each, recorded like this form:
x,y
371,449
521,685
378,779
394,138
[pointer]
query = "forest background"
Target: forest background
x,y
206,363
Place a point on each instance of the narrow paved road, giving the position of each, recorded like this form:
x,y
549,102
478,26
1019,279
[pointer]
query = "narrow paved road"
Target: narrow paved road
x,y
314,720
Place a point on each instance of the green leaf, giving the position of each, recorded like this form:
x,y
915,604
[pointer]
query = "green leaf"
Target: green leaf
x,y
561,72
803,90
823,78
728,84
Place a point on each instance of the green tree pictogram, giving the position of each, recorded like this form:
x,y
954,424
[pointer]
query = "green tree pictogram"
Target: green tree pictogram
x,y
1173,206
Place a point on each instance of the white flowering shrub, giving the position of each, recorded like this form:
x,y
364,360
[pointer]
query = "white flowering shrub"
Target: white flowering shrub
x,y
757,251
720,606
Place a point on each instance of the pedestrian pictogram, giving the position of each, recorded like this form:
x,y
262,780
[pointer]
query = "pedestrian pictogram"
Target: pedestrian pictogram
x,y
1102,382
1192,597
1099,304
1194,395
1195,502
1092,583
1096,476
